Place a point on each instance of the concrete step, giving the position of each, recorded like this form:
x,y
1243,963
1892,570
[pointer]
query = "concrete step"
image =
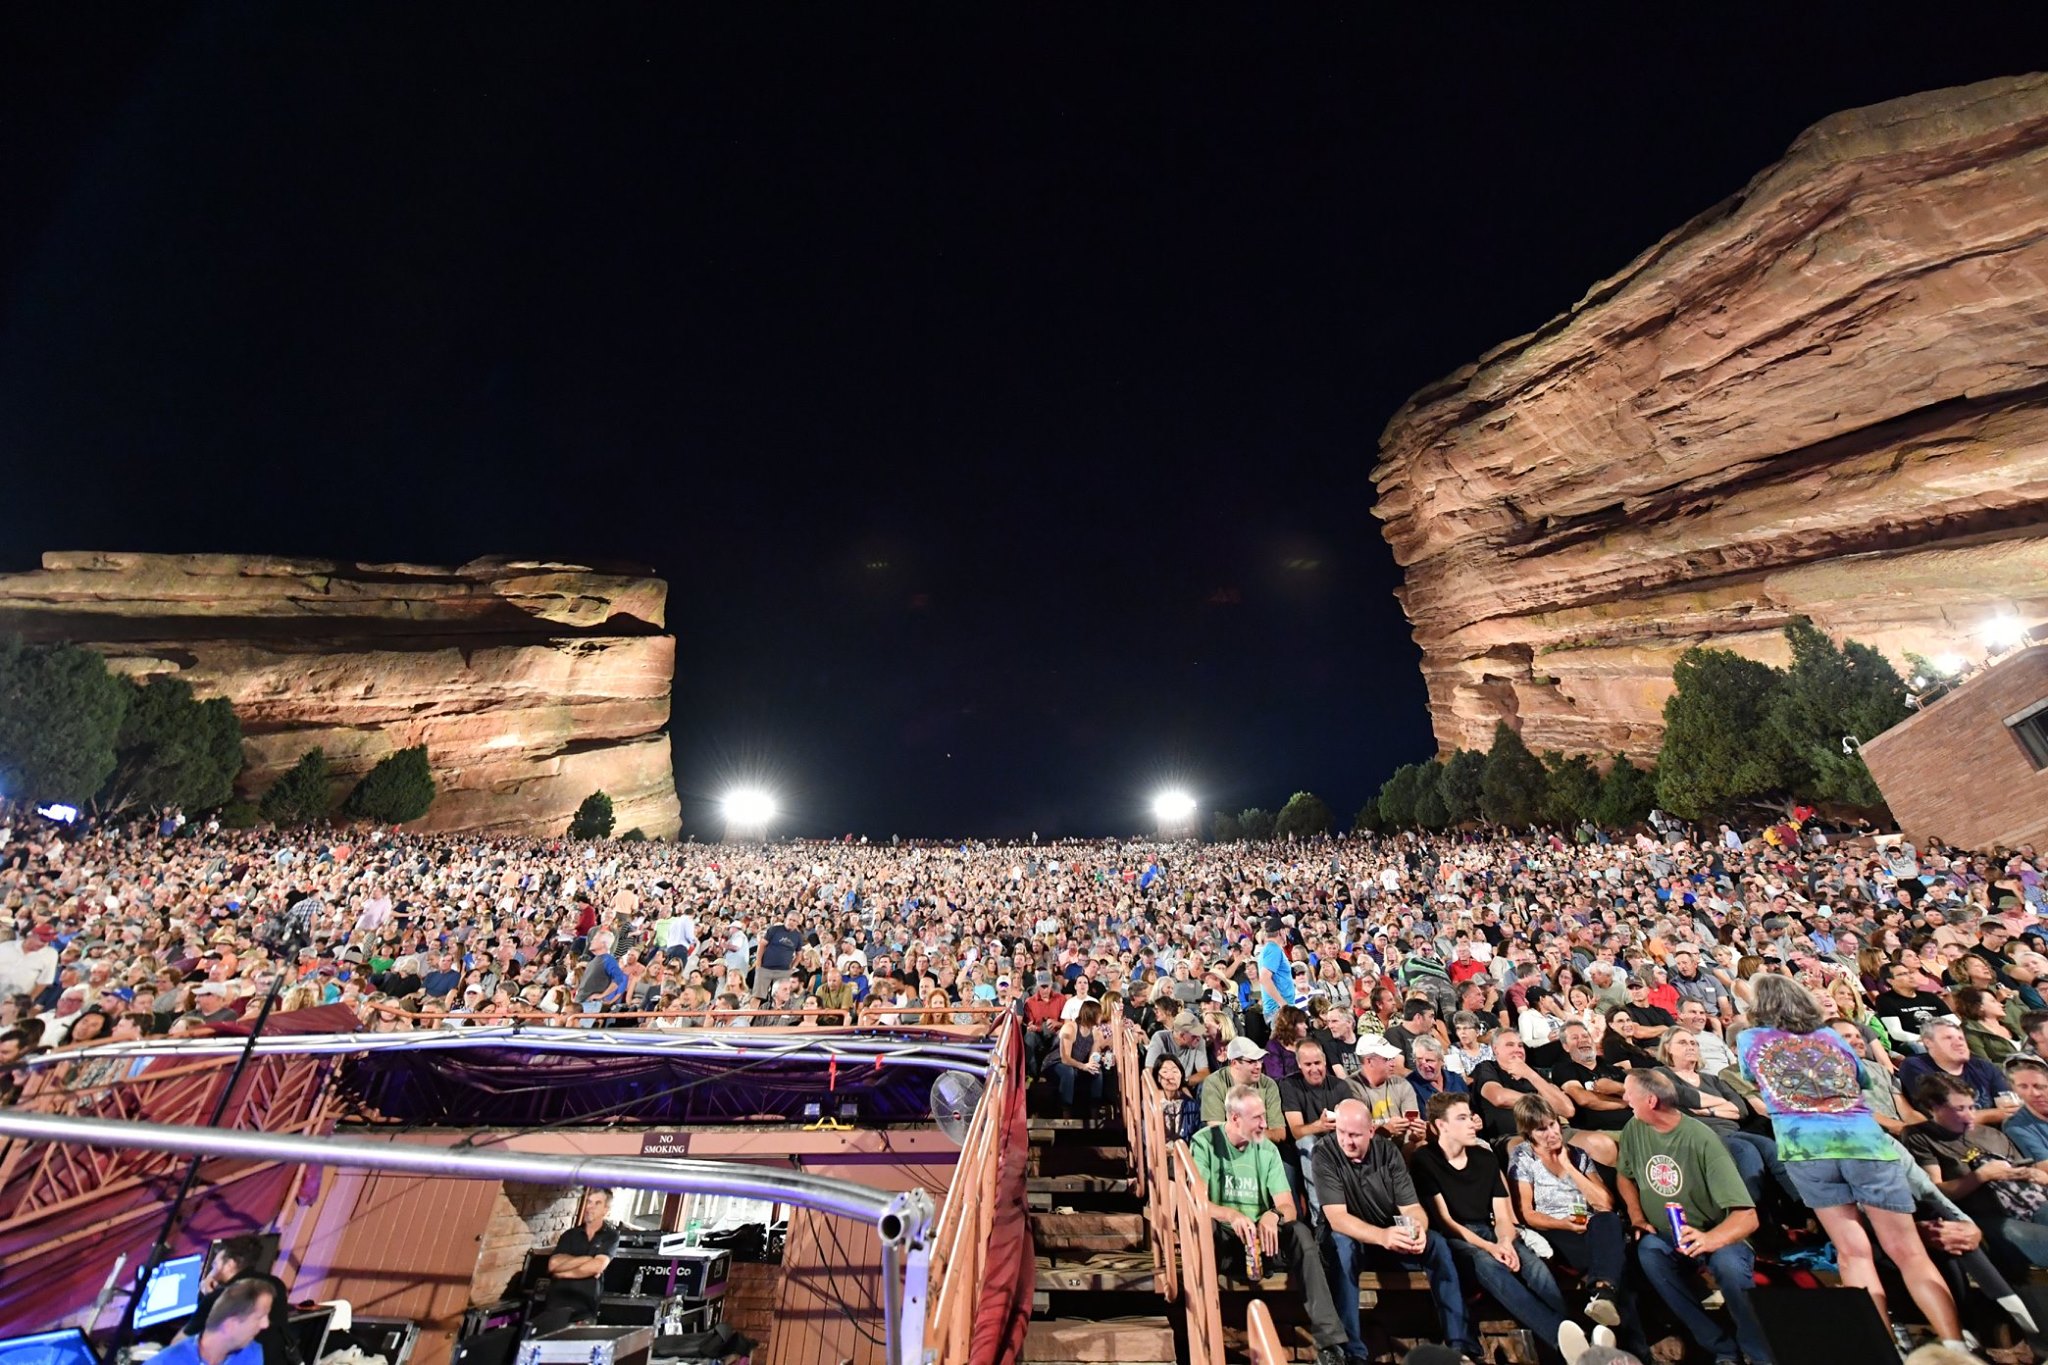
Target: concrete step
x,y
1088,1231
1070,1341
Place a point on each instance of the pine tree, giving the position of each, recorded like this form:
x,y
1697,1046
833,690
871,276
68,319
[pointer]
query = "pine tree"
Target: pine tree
x,y
303,794
1720,747
398,789
1511,786
593,819
60,715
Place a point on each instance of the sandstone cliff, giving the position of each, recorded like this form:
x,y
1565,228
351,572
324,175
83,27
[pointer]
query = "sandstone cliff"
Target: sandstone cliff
x,y
1827,396
531,684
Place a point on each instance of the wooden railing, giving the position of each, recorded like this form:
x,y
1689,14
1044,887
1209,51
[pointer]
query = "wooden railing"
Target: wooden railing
x,y
1261,1338
960,1238
1199,1285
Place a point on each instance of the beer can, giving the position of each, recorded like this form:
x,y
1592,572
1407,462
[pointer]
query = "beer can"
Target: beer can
x,y
1676,1214
1254,1262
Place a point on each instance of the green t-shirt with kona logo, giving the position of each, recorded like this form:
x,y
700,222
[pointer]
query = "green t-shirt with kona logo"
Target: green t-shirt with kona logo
x,y
1245,1179
1687,1166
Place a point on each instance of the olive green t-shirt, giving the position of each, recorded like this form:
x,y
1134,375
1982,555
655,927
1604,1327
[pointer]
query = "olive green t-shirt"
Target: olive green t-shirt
x,y
1687,1166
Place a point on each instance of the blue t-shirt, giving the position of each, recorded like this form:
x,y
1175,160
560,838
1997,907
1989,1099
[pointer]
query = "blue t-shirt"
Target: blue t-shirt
x,y
2028,1133
1273,958
186,1352
1981,1076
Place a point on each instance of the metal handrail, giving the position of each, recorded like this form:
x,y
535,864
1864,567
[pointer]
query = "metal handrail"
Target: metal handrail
x,y
901,1220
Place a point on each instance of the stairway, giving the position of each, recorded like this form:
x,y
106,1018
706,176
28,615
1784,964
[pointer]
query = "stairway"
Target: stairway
x,y
1095,1299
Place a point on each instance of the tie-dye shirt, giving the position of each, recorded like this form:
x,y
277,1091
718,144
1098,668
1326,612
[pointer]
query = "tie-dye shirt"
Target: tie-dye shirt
x,y
1812,1084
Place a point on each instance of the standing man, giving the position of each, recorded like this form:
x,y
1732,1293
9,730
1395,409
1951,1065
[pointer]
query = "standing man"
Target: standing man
x,y
578,1262
1371,1217
1275,972
779,947
1679,1160
1247,1201
604,982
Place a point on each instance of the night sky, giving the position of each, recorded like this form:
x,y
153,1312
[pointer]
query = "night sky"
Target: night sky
x,y
998,395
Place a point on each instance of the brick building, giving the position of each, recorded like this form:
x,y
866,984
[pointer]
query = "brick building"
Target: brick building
x,y
1972,768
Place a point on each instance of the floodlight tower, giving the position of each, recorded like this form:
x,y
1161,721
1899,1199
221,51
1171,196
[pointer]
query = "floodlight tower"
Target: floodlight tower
x,y
749,812
1174,815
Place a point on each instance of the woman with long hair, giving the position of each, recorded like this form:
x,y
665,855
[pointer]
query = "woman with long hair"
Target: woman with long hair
x,y
1841,1163
1290,1031
1075,1067
1984,1024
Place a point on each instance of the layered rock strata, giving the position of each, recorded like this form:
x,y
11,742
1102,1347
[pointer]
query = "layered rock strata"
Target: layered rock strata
x,y
1826,396
531,684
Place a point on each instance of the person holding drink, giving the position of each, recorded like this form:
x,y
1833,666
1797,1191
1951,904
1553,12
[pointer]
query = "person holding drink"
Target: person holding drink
x,y
1372,1218
1254,1216
1563,1199
1692,1212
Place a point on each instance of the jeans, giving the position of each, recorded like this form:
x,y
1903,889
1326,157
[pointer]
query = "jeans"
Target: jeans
x,y
2017,1243
1349,1256
1313,1207
1305,1275
1754,1154
1601,1252
1068,1077
1530,1295
1676,1278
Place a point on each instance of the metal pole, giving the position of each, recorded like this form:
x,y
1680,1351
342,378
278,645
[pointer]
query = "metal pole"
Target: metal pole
x,y
901,1220
672,1175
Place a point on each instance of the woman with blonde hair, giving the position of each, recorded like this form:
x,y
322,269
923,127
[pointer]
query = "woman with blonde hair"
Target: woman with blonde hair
x,y
1840,1162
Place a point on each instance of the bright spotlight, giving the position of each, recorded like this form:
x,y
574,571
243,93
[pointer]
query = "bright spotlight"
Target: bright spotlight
x,y
2005,632
748,813
1174,814
1949,665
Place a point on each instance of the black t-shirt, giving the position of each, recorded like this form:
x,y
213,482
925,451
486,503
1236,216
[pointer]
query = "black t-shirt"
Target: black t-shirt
x,y
1599,1120
1374,1190
577,1242
779,947
1916,1011
1298,1096
1468,1193
1500,1121
1650,1016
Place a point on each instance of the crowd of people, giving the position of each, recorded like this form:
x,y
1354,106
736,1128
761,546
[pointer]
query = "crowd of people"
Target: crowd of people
x,y
1483,1056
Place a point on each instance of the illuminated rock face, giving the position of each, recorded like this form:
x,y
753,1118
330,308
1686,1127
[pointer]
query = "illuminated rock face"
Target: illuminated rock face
x,y
532,685
1827,396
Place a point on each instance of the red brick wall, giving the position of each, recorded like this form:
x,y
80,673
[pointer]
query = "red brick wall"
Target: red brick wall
x,y
524,1218
1954,770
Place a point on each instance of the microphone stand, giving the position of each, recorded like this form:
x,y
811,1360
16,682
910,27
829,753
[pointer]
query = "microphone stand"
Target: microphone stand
x,y
285,940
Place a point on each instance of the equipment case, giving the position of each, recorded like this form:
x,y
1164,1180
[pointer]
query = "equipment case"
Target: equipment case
x,y
590,1346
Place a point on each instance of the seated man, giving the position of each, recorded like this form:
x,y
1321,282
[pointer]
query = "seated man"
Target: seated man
x,y
1429,1076
1680,1161
237,1318
1982,1170
1373,1219
1243,1064
1186,1042
1460,1182
1388,1096
1248,1202
1948,1054
1590,1082
1309,1099
2028,1126
578,1262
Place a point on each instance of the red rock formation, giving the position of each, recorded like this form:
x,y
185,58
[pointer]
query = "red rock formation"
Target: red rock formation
x,y
1827,396
531,685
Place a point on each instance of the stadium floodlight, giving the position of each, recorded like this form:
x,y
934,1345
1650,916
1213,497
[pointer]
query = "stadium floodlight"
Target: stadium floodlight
x,y
1949,665
1174,814
2004,632
748,813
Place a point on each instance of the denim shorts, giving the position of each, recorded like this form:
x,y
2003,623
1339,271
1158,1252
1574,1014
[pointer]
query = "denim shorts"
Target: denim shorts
x,y
1831,1182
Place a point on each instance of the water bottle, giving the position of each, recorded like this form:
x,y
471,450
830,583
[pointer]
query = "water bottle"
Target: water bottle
x,y
693,1231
